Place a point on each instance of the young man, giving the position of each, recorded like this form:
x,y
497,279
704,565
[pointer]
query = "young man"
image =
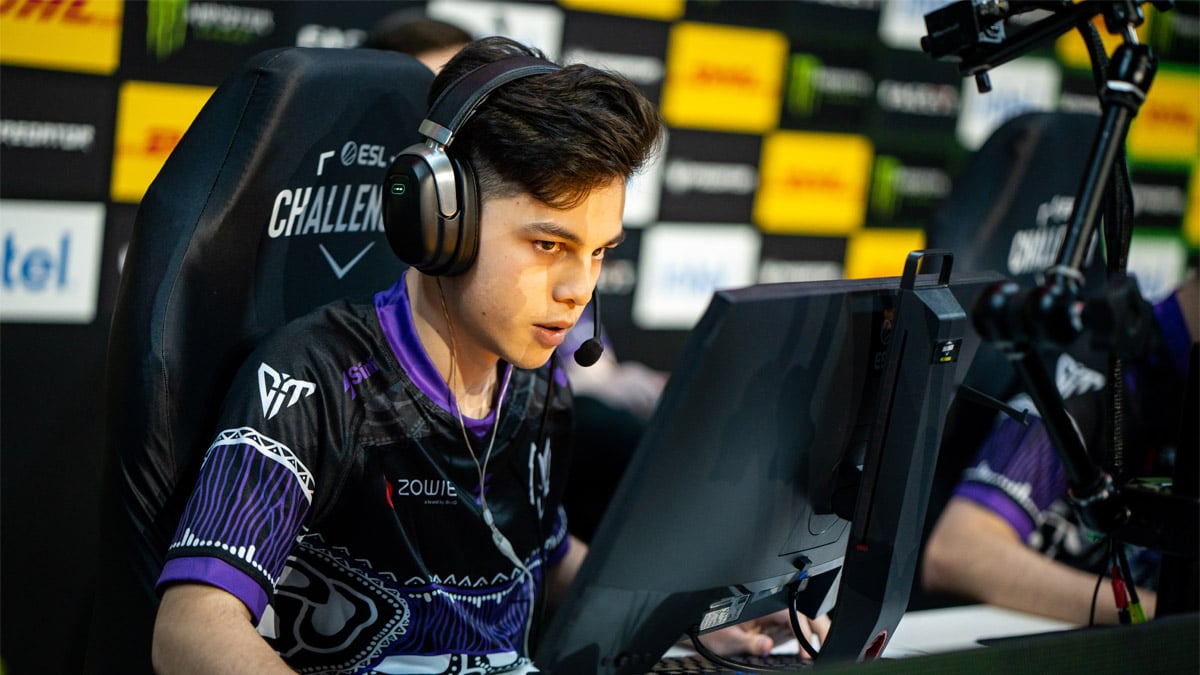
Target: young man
x,y
384,490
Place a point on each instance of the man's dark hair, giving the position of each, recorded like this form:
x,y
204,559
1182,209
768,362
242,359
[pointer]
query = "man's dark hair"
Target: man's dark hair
x,y
555,136
410,32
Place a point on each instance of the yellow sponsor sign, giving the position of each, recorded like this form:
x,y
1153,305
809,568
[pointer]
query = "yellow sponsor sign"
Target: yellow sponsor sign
x,y
1167,127
151,118
813,183
880,253
75,35
664,10
724,79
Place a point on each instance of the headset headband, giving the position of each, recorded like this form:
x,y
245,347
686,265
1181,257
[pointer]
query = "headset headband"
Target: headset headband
x,y
460,99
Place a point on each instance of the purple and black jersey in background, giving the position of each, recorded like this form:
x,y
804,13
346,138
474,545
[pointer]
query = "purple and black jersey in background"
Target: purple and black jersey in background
x,y
1018,475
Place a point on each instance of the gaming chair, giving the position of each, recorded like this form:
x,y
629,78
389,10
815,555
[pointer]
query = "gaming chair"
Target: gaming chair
x,y
269,207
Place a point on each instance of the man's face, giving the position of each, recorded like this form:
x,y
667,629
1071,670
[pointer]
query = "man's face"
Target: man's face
x,y
536,269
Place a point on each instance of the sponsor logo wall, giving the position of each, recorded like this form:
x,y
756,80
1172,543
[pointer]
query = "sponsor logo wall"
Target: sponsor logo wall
x,y
805,119
805,140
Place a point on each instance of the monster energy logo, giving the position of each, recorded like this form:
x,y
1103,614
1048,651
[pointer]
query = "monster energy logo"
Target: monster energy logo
x,y
804,96
1166,29
893,183
885,195
812,83
166,27
168,21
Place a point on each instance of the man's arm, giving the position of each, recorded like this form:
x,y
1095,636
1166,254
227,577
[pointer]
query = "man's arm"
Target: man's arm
x,y
976,554
563,572
203,629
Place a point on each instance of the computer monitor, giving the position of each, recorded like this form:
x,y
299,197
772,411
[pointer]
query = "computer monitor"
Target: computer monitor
x,y
793,406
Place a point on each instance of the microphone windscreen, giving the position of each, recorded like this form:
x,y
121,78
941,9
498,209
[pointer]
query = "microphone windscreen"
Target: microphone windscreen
x,y
589,352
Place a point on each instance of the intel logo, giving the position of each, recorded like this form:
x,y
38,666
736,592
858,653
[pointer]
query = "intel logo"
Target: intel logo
x,y
50,261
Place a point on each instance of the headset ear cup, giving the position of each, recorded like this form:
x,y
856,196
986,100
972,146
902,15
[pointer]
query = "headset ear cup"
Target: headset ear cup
x,y
412,219
410,208
466,229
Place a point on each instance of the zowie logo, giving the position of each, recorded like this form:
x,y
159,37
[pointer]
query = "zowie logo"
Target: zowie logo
x,y
274,387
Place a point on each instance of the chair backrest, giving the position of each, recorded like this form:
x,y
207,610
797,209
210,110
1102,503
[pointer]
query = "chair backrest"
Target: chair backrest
x,y
267,208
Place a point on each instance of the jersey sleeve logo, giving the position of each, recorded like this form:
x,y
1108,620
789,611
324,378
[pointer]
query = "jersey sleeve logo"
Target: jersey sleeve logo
x,y
274,387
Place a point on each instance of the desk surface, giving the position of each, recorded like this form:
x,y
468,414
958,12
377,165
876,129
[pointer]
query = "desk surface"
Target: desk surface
x,y
934,631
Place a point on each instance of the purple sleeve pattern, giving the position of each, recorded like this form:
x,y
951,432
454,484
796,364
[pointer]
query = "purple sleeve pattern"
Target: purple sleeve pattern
x,y
247,509
1016,474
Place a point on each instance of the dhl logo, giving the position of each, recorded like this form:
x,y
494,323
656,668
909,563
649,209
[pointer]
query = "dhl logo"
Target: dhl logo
x,y
715,74
724,79
808,180
73,12
75,35
161,140
151,119
1170,116
1167,127
813,183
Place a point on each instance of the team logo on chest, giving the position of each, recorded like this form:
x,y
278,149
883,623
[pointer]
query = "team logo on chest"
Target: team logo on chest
x,y
539,476
274,388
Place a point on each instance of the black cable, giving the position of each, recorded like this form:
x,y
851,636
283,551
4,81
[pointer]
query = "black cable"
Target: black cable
x,y
541,532
1117,237
794,618
1123,563
1096,591
1095,48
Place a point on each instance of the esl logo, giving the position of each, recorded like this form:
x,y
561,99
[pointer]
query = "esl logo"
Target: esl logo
x,y
50,256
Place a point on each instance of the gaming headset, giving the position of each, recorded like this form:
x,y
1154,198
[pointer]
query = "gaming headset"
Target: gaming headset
x,y
430,199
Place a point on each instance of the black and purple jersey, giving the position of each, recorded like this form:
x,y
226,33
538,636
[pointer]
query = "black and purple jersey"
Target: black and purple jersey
x,y
339,501
1017,474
